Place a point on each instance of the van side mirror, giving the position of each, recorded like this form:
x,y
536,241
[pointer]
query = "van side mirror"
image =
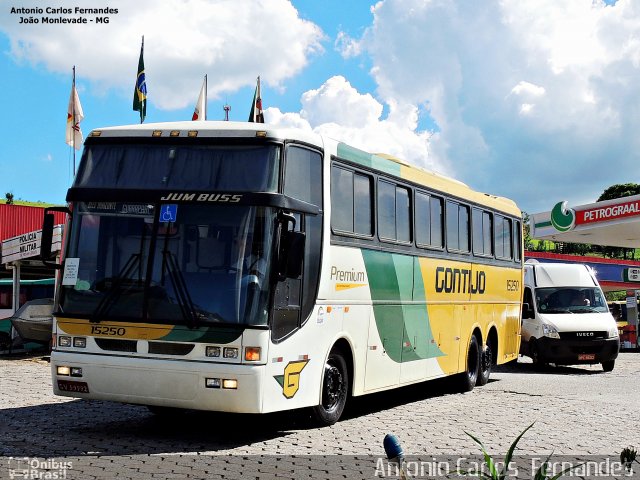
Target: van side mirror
x,y
527,311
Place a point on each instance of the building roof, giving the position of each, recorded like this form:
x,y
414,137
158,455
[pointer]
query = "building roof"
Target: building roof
x,y
18,219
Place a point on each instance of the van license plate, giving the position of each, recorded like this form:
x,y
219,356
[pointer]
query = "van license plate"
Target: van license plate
x,y
67,386
587,356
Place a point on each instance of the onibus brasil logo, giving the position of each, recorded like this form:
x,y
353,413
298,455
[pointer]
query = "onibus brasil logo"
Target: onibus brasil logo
x,y
562,217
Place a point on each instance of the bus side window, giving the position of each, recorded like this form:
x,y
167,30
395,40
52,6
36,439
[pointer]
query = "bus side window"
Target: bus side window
x,y
294,297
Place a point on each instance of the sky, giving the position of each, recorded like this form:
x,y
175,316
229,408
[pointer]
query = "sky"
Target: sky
x,y
535,100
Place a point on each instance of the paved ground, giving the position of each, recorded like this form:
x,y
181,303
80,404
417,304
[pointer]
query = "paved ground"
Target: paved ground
x,y
579,412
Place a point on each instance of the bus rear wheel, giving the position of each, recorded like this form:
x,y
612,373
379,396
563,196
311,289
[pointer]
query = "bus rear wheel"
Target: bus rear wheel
x,y
335,386
467,380
486,362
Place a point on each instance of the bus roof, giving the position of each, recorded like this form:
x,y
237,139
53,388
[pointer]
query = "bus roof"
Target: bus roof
x,y
431,180
382,162
207,129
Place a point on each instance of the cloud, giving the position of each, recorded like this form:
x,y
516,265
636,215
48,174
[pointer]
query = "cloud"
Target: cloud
x,y
338,101
347,46
533,99
339,111
232,41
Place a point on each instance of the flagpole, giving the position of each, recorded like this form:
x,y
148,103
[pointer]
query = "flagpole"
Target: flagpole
x,y
141,54
205,96
73,120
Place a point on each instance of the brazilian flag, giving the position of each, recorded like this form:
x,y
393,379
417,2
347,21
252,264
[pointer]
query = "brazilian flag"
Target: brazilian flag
x,y
140,92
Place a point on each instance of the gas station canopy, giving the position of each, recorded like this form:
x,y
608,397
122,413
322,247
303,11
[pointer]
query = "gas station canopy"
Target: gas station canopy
x,y
614,223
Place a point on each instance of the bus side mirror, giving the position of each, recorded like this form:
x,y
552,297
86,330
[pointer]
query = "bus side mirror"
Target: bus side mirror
x,y
291,255
46,238
295,254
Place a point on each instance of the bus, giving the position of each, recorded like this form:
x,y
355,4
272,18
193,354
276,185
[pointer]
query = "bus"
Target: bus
x,y
239,267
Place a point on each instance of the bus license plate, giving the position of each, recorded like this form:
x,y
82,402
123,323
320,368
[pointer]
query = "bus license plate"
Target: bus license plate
x,y
67,386
587,356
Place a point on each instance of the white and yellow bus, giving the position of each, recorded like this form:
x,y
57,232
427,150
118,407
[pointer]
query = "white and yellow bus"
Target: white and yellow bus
x,y
237,267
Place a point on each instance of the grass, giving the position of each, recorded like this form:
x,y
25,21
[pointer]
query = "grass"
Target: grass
x,y
24,203
495,474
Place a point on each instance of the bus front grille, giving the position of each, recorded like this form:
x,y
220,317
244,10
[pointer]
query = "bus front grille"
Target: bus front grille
x,y
117,345
170,348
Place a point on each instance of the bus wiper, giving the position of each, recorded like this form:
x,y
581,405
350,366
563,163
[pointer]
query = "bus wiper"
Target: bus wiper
x,y
115,291
182,293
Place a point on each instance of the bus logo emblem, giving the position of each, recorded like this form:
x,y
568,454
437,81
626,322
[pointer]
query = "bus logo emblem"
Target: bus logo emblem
x,y
290,381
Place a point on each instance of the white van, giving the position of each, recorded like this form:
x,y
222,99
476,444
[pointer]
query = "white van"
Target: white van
x,y
565,318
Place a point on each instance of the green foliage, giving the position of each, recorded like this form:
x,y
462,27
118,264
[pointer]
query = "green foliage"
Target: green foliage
x,y
528,241
9,197
628,456
616,296
620,190
494,474
25,203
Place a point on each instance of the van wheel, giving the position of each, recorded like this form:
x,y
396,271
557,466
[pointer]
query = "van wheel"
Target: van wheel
x,y
608,366
534,353
486,362
464,382
335,385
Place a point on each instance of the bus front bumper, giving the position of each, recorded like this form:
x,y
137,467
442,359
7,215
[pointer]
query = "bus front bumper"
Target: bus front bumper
x,y
165,383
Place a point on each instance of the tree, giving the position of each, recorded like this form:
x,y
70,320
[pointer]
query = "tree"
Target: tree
x,y
528,240
9,197
620,190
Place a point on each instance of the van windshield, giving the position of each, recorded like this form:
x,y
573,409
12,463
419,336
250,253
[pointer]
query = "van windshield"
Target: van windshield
x,y
570,300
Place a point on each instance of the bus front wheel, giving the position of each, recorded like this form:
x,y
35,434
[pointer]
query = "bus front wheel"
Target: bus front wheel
x,y
335,386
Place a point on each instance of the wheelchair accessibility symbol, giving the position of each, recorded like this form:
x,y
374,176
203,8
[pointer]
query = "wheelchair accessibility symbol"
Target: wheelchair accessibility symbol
x,y
168,213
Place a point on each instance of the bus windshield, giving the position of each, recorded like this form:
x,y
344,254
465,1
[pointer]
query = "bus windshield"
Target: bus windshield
x,y
181,167
208,263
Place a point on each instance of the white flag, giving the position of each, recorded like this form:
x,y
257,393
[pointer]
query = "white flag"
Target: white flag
x,y
74,117
200,112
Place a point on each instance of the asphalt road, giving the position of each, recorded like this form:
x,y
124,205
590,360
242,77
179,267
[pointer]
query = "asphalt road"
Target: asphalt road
x,y
577,412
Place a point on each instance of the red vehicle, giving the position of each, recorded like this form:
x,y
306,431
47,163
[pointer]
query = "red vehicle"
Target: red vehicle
x,y
628,330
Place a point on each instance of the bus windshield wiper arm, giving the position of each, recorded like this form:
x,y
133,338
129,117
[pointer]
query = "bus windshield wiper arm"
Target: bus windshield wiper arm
x,y
182,293
115,291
